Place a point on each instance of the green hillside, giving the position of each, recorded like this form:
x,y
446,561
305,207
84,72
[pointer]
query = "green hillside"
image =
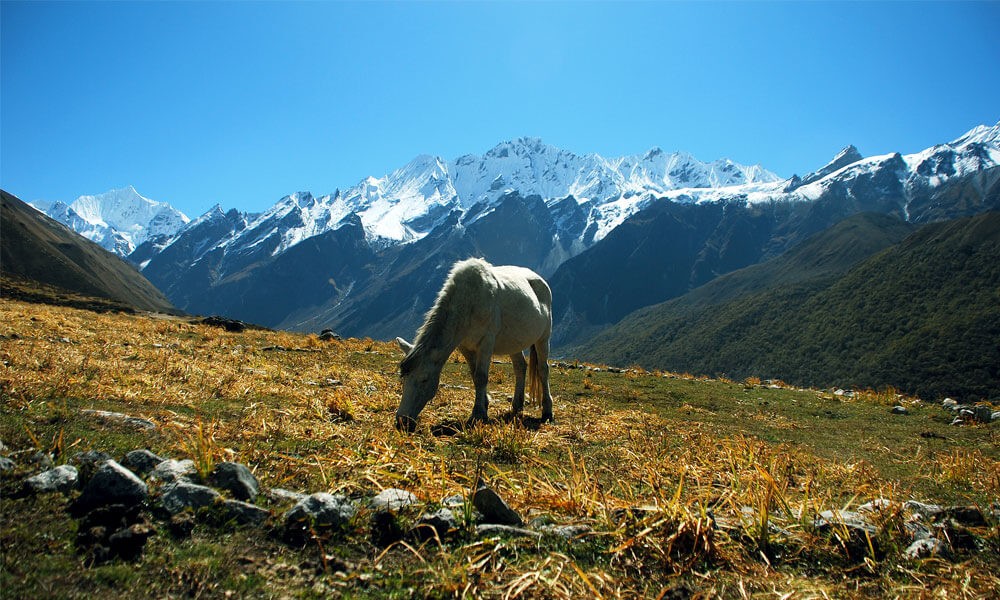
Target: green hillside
x,y
923,315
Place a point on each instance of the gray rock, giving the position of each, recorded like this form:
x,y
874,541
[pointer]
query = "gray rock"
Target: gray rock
x,y
831,519
91,459
236,479
120,417
6,464
321,510
60,479
128,543
566,532
949,404
113,484
493,508
42,460
141,461
970,516
899,409
926,548
183,494
922,510
957,421
455,501
995,416
440,523
982,413
282,495
392,499
245,513
878,505
171,470
497,529
384,529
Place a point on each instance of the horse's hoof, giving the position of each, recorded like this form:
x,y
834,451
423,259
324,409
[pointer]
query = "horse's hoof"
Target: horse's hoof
x,y
406,424
548,419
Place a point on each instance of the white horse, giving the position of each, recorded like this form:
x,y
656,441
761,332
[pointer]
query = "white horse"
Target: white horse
x,y
482,310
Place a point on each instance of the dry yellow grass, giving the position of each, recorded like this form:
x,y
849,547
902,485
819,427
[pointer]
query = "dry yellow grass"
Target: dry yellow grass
x,y
681,489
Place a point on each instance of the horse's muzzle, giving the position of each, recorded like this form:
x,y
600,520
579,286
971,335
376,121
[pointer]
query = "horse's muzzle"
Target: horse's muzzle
x,y
405,423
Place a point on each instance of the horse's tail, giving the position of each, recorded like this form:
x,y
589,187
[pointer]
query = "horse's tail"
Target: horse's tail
x,y
535,391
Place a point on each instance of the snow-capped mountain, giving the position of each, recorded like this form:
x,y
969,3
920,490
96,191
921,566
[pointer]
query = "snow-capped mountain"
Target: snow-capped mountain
x,y
119,220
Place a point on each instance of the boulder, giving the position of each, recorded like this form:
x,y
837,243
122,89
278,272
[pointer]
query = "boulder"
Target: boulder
x,y
493,508
60,479
320,511
141,462
392,499
171,470
244,513
112,484
440,523
183,494
236,479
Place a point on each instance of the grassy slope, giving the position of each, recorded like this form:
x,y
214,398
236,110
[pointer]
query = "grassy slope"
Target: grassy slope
x,y
922,315
35,247
621,441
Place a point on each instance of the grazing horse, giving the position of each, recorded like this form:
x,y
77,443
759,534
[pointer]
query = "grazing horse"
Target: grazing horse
x,y
482,310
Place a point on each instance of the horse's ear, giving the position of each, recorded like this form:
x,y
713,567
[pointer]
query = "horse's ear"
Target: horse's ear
x,y
404,345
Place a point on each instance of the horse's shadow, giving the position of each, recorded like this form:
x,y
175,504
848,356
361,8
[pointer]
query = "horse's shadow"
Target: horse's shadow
x,y
451,427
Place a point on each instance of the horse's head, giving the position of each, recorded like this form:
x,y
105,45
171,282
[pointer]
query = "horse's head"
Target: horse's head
x,y
420,382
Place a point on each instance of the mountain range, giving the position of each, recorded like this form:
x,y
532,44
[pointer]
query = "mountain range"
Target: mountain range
x,y
612,235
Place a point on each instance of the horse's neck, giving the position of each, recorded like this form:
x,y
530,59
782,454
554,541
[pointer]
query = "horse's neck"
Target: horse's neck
x,y
440,334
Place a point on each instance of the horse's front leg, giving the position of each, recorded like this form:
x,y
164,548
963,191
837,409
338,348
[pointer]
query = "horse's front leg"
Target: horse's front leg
x,y
479,368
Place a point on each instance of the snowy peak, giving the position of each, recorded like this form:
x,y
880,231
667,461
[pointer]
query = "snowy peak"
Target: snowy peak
x,y
119,220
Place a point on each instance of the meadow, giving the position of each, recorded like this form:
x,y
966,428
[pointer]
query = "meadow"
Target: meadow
x,y
687,486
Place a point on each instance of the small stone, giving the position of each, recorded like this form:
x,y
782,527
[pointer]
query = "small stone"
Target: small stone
x,y
493,508
42,460
245,513
440,523
320,510
181,525
123,418
982,413
282,495
129,542
995,416
236,479
392,499
878,505
957,421
926,548
455,501
171,470
112,484
566,532
949,403
60,479
182,494
969,516
328,335
498,529
900,410
385,529
141,461
6,464
922,510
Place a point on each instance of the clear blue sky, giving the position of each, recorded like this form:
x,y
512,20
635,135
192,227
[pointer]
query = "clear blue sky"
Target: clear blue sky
x,y
241,103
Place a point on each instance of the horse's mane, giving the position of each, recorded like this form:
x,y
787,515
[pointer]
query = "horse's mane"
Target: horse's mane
x,y
450,311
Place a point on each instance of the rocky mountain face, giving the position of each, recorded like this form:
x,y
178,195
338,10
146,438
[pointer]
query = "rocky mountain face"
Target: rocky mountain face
x,y
612,235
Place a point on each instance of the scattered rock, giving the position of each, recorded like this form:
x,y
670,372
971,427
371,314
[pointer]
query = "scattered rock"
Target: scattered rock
x,y
282,495
244,513
440,523
320,511
172,470
491,529
328,335
899,409
392,499
926,548
982,413
230,325
141,462
42,460
60,479
455,501
949,403
181,525
236,479
854,532
566,532
922,510
116,416
112,484
182,494
878,505
88,462
128,543
493,508
6,464
385,529
995,416
970,516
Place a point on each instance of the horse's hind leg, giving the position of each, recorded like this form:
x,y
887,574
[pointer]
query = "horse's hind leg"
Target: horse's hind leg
x,y
541,350
479,369
520,370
